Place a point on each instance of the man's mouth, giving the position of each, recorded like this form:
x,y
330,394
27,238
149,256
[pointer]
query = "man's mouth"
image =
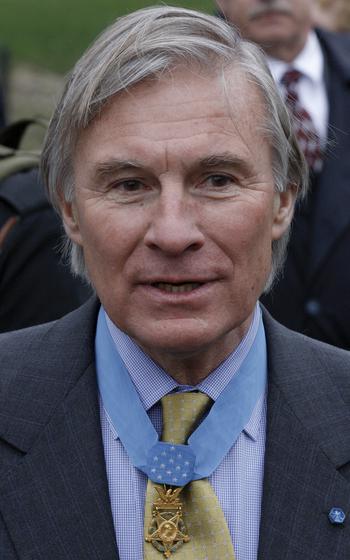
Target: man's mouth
x,y
177,288
269,11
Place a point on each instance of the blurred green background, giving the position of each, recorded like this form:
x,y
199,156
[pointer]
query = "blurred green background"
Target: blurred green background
x,y
52,34
44,39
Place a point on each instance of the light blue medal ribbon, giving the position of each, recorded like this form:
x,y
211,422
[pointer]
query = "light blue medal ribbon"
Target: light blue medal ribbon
x,y
169,463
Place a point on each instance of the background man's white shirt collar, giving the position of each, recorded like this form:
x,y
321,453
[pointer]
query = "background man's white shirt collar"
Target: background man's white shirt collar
x,y
311,88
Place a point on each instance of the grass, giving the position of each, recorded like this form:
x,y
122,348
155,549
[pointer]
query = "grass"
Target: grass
x,y
52,34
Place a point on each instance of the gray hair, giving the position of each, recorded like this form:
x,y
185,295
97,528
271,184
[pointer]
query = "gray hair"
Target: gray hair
x,y
145,44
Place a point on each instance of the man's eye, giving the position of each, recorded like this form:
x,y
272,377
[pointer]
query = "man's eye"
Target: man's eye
x,y
129,186
219,180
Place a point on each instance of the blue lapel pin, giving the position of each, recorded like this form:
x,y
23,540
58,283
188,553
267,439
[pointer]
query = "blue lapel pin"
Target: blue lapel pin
x,y
336,516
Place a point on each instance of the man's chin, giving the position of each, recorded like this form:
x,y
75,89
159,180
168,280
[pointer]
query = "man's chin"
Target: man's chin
x,y
269,31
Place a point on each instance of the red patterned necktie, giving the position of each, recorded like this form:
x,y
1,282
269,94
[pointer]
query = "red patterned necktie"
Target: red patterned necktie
x,y
304,127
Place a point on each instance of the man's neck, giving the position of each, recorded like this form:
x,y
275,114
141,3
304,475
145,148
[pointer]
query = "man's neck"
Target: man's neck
x,y
191,368
286,52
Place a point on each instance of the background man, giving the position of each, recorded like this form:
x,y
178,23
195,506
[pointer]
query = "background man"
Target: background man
x,y
313,296
36,286
172,161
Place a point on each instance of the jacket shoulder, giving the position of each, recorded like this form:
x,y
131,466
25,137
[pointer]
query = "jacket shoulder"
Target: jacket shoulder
x,y
336,48
305,358
332,38
45,352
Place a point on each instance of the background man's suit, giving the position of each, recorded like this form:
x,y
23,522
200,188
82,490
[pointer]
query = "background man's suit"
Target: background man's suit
x,y
35,285
314,294
53,490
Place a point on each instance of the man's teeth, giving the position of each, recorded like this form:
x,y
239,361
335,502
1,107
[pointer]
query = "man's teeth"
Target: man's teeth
x,y
177,288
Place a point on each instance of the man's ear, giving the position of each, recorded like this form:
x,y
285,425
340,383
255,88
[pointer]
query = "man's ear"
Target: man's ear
x,y
284,203
71,221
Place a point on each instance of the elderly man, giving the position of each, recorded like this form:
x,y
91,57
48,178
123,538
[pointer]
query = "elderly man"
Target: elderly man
x,y
312,69
170,417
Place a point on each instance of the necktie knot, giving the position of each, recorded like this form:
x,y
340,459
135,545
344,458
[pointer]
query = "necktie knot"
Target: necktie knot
x,y
181,415
291,77
290,80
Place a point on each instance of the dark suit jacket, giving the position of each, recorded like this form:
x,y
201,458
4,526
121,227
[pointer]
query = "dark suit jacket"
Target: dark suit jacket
x,y
54,502
313,296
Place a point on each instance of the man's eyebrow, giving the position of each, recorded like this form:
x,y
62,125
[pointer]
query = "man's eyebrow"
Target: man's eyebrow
x,y
110,167
225,159
106,168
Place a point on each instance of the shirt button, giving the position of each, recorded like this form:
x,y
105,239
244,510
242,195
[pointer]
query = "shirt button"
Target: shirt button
x,y
313,307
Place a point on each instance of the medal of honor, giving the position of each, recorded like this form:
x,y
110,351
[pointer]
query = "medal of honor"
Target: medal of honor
x,y
167,530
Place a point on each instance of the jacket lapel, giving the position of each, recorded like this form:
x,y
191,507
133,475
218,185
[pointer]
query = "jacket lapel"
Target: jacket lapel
x,y
54,493
332,192
308,443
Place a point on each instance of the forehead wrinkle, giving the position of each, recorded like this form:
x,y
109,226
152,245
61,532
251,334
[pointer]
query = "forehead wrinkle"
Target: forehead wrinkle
x,y
219,124
161,107
166,157
174,120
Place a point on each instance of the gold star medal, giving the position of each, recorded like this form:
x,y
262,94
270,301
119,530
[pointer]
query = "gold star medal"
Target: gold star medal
x,y
167,531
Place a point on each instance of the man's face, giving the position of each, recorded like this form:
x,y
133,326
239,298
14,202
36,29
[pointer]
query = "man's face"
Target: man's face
x,y
175,210
279,26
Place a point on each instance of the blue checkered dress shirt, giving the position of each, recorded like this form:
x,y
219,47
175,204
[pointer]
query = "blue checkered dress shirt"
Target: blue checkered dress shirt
x,y
238,479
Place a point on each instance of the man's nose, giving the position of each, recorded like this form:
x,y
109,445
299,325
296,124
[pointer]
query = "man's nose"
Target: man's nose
x,y
174,227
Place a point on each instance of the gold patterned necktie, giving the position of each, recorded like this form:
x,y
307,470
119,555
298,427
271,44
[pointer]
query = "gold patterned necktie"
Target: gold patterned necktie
x,y
192,512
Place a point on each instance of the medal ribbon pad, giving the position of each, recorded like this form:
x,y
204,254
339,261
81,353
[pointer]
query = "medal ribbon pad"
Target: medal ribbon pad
x,y
170,464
